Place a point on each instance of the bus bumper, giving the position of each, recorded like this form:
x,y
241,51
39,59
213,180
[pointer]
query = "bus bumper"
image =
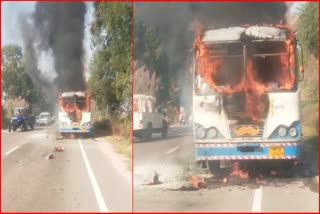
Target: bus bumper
x,y
247,151
75,130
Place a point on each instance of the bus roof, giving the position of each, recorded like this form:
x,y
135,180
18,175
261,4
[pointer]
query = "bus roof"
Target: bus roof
x,y
236,33
71,94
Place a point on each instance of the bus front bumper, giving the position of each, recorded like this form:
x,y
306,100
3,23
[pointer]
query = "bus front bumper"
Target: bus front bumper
x,y
75,130
247,151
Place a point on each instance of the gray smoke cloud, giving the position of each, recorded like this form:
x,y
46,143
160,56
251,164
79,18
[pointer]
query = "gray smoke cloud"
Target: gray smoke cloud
x,y
56,28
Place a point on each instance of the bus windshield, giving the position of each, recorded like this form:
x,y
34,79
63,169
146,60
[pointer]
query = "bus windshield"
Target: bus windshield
x,y
273,64
223,68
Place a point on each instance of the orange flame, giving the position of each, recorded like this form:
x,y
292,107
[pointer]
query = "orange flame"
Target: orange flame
x,y
197,183
208,68
239,173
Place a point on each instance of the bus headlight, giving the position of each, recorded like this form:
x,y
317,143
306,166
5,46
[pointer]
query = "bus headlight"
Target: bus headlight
x,y
212,132
200,132
293,132
282,131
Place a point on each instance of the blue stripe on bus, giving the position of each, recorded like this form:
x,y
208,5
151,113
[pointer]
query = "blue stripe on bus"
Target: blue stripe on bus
x,y
74,130
232,151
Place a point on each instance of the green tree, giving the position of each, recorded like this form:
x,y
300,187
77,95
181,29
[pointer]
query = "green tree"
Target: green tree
x,y
110,69
148,53
15,81
146,45
307,27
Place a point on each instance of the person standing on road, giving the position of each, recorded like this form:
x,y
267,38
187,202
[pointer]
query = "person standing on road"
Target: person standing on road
x,y
182,116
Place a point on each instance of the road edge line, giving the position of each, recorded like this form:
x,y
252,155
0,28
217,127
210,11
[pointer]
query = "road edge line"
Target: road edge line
x,y
172,150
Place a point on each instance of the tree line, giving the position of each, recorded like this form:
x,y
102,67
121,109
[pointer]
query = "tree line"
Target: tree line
x,y
110,67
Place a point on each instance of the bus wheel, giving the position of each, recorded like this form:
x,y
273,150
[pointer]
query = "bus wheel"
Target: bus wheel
x,y
149,131
164,131
214,167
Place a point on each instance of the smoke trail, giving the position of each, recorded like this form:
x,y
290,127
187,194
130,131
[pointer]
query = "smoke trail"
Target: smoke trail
x,y
56,27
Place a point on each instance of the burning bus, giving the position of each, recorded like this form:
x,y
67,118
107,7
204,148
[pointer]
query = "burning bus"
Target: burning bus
x,y
246,93
74,112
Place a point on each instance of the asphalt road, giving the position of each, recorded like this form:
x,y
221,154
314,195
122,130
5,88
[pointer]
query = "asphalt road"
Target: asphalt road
x,y
172,159
85,177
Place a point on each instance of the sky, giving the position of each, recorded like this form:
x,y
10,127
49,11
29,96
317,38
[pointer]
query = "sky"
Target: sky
x,y
10,26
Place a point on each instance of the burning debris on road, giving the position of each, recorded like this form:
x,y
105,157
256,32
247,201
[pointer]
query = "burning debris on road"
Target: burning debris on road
x,y
59,148
197,182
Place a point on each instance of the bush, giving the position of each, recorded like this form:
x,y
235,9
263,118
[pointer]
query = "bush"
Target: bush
x,y
310,120
122,127
5,119
102,126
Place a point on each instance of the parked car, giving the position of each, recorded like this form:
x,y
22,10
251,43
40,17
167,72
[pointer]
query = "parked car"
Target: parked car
x,y
44,119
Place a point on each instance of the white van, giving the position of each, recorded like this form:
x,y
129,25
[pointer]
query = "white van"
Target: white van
x,y
148,119
44,118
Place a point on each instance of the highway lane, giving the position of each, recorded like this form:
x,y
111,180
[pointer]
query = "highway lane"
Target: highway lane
x,y
80,178
172,159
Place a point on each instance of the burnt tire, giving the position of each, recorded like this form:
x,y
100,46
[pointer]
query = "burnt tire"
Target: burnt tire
x,y
164,130
149,131
214,167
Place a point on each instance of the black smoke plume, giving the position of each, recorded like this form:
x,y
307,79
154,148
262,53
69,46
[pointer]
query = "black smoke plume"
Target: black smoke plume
x,y
56,27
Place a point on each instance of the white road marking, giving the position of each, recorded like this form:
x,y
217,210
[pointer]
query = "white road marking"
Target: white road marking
x,y
94,183
15,148
257,200
172,150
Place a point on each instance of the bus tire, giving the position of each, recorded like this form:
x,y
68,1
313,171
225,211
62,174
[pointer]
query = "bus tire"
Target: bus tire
x,y
149,131
164,130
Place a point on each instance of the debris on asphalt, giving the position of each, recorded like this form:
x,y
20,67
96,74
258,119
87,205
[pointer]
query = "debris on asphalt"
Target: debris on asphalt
x,y
50,156
273,172
156,178
59,138
225,180
59,148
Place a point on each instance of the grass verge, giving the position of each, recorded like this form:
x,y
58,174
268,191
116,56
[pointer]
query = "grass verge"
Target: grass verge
x,y
122,146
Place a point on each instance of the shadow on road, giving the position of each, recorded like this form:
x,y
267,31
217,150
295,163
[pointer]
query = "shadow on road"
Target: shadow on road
x,y
275,173
174,132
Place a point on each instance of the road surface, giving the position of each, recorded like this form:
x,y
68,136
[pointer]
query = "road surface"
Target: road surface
x,y
85,177
172,160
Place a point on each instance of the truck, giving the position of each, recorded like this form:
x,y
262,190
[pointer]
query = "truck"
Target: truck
x,y
21,118
246,103
74,112
147,117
